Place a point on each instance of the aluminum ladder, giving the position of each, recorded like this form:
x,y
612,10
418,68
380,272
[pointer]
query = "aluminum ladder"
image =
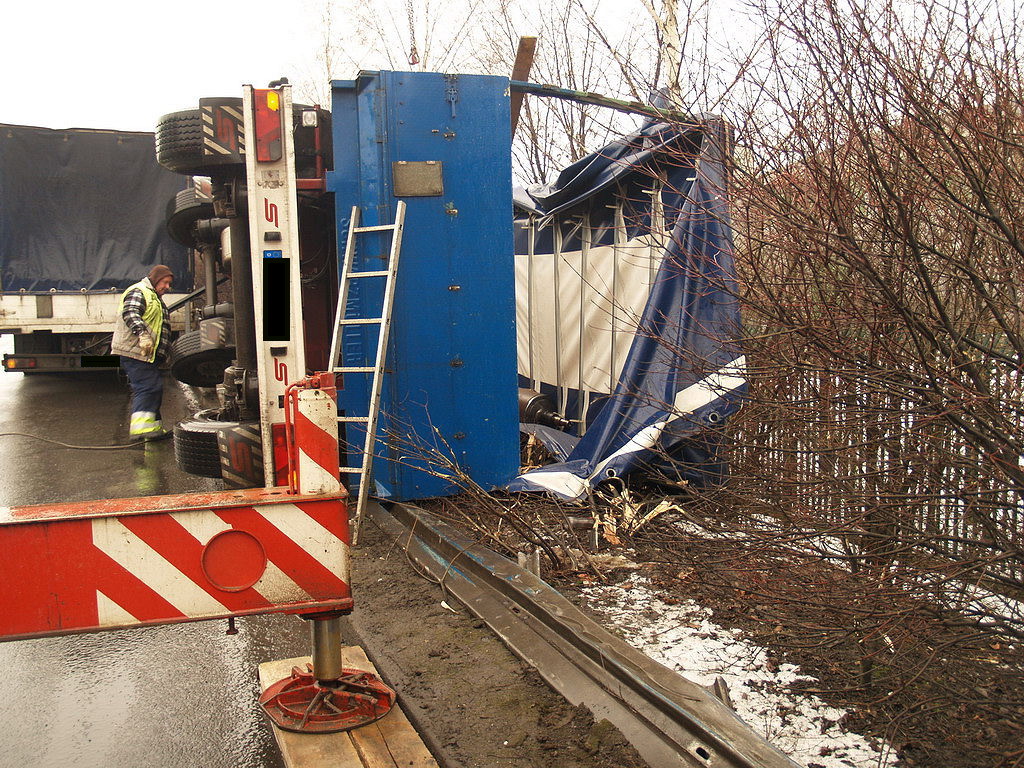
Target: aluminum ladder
x,y
389,273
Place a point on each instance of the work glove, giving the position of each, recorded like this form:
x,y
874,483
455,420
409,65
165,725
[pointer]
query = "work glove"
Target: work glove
x,y
146,344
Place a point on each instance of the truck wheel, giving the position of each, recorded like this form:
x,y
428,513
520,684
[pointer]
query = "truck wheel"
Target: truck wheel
x,y
195,444
186,208
197,366
179,146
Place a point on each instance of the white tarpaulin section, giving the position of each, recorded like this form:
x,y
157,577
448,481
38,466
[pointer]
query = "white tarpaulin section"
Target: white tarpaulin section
x,y
577,311
627,311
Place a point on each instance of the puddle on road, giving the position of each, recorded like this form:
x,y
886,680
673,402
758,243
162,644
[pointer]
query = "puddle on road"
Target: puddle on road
x,y
181,696
165,697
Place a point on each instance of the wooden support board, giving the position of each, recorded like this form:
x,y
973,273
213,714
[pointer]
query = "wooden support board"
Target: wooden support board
x,y
390,742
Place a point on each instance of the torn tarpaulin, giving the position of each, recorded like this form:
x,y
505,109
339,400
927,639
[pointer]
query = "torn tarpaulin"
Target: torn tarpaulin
x,y
653,235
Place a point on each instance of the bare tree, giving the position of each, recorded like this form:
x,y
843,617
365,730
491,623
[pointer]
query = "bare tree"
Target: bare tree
x,y
877,187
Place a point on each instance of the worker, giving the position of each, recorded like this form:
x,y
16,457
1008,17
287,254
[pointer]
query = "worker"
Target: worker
x,y
142,337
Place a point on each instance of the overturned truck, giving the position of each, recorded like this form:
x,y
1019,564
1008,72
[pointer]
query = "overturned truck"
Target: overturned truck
x,y
296,188
605,300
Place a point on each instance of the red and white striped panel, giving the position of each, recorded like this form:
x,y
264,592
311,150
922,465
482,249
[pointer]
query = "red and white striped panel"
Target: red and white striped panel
x,y
316,437
76,569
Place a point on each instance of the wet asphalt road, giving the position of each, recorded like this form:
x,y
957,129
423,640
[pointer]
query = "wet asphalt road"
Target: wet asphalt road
x,y
161,697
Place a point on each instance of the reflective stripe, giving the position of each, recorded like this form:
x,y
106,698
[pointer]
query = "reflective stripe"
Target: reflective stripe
x,y
144,422
153,569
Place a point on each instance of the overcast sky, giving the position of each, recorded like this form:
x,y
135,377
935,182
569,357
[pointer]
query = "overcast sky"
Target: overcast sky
x,y
118,64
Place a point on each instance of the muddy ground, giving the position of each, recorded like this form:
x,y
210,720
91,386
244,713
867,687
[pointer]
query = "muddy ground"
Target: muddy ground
x,y
475,704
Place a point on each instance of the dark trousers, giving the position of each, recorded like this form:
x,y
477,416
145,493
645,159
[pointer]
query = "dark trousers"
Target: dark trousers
x,y
147,383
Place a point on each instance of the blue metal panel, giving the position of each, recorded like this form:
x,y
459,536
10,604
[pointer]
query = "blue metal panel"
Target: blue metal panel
x,y
450,392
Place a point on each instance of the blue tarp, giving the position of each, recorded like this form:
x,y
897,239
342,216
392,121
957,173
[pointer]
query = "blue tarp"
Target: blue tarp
x,y
684,374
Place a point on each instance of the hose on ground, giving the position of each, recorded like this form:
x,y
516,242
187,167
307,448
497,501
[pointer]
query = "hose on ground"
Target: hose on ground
x,y
112,447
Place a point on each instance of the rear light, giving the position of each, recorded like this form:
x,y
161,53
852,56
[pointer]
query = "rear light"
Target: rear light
x,y
17,363
280,458
269,127
280,440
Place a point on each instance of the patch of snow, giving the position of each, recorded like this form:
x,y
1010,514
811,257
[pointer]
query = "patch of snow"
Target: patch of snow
x,y
684,638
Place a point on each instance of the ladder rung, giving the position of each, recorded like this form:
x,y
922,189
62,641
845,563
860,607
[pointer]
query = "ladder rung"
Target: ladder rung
x,y
377,228
362,321
374,273
355,419
354,369
350,470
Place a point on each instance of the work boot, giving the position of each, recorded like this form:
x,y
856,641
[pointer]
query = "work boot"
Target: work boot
x,y
157,434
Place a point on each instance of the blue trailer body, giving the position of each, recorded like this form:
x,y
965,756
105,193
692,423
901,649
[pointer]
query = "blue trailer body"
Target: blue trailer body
x,y
449,397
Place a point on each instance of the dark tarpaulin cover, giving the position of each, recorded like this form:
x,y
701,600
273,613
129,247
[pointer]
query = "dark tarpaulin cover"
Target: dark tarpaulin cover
x,y
589,176
685,373
83,209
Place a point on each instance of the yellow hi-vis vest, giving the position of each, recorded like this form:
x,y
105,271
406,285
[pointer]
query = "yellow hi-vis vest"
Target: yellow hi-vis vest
x,y
127,343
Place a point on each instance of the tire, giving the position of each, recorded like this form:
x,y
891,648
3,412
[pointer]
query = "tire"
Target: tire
x,y
197,366
195,444
186,208
179,144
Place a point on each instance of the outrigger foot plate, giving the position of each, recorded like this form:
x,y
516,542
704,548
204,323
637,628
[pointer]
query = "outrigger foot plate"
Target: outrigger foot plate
x,y
304,704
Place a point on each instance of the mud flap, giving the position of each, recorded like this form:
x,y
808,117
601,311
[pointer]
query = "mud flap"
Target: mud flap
x,y
216,333
241,456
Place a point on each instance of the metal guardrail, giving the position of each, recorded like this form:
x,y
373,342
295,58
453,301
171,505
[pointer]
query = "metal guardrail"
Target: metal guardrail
x,y
670,721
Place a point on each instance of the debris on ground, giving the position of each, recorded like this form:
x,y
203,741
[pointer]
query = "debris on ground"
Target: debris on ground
x,y
919,677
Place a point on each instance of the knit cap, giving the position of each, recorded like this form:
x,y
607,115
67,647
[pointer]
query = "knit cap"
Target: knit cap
x,y
159,272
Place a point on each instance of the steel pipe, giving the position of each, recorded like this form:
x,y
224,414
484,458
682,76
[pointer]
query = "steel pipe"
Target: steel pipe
x,y
325,635
241,286
209,253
